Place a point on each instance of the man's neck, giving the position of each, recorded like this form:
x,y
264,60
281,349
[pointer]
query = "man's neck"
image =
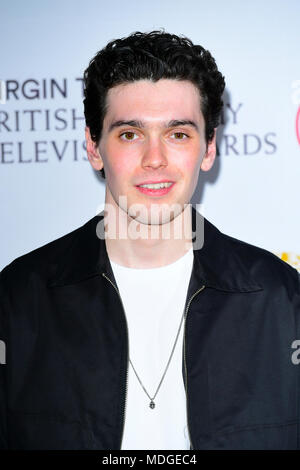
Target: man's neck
x,y
147,246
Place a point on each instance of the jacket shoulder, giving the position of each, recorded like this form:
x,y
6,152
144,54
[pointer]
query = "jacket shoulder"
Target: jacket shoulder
x,y
263,265
42,261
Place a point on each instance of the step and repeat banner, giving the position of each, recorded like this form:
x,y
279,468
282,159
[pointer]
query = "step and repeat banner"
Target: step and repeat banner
x,y
47,186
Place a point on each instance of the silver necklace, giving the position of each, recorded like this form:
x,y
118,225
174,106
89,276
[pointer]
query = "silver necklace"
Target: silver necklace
x,y
152,404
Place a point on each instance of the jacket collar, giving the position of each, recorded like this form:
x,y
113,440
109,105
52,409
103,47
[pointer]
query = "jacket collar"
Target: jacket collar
x,y
220,261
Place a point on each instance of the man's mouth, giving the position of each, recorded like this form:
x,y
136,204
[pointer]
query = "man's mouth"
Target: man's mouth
x,y
156,185
156,189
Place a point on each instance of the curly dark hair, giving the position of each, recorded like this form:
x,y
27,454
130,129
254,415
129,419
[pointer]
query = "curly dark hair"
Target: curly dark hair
x,y
152,56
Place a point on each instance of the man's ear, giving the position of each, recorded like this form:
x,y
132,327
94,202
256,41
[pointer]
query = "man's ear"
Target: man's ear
x,y
93,151
210,154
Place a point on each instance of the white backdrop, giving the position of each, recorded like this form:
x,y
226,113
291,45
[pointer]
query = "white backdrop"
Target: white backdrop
x,y
47,186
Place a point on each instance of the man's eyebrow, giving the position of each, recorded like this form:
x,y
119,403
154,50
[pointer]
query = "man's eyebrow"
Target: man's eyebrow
x,y
132,123
182,122
141,125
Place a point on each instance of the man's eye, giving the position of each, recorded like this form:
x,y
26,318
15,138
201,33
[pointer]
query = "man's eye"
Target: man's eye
x,y
129,135
180,135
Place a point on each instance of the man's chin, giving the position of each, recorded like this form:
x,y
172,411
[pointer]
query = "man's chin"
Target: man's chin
x,y
156,214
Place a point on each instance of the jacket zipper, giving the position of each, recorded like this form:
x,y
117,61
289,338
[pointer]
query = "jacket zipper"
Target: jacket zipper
x,y
186,312
126,386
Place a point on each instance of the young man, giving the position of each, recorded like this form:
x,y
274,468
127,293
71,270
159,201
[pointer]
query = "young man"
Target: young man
x,y
148,328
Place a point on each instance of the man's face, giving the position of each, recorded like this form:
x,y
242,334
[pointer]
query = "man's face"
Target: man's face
x,y
153,132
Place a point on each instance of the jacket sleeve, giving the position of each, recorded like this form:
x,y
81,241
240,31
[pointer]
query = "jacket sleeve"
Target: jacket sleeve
x,y
3,393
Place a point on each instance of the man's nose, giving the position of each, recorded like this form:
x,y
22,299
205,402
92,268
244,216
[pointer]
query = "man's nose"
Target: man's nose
x,y
154,155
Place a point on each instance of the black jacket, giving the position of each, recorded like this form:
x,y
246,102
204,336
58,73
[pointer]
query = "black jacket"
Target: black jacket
x,y
64,381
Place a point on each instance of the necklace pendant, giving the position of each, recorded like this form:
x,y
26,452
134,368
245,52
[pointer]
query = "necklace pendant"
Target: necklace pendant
x,y
152,404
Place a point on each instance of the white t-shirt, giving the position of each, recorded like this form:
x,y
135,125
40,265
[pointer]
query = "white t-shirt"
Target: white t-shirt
x,y
154,301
